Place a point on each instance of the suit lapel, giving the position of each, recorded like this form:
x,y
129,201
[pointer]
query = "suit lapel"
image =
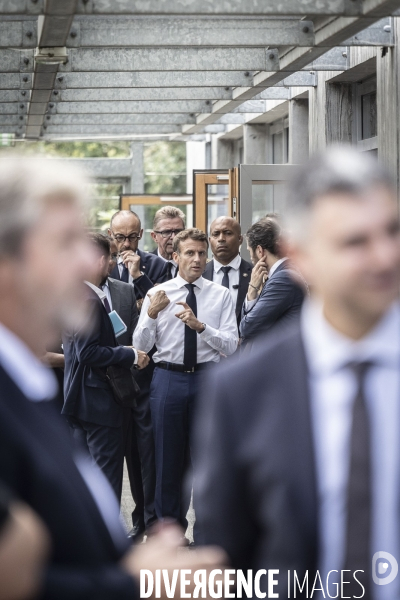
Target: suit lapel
x,y
115,297
209,271
244,278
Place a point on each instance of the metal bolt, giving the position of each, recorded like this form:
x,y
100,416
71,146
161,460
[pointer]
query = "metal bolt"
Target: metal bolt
x,y
51,105
191,115
73,34
387,28
306,29
21,105
227,89
208,102
48,117
26,60
25,79
344,54
247,74
21,118
23,93
271,56
55,92
29,34
44,126
60,79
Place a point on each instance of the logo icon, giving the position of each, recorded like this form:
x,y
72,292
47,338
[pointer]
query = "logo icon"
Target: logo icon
x,y
384,568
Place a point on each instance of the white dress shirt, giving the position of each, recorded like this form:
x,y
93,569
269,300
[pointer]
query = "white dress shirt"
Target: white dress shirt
x,y
174,267
38,383
233,275
214,308
333,389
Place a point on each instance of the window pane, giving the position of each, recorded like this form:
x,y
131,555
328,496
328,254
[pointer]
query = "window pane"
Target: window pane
x,y
266,198
368,115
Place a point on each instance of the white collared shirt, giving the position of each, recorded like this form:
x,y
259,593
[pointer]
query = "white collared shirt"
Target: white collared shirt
x,y
214,308
233,275
333,389
174,267
35,380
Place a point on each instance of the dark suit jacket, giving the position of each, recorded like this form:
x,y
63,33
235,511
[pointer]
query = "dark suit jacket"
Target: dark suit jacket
x,y
36,463
279,303
88,353
154,271
155,252
244,278
123,301
255,469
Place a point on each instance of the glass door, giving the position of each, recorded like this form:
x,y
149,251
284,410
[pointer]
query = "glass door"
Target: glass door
x,y
261,191
214,195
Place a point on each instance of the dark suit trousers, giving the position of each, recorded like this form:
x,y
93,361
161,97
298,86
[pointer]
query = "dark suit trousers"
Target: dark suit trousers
x,y
139,455
105,446
172,403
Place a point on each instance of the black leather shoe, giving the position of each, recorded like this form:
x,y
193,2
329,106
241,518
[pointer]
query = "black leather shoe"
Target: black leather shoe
x,y
136,533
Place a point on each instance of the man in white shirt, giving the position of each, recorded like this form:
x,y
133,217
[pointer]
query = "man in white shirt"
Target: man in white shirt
x,y
187,342
168,222
227,267
302,454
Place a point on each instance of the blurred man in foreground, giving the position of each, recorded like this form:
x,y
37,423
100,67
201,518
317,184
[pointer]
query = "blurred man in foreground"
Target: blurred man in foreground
x,y
299,460
44,258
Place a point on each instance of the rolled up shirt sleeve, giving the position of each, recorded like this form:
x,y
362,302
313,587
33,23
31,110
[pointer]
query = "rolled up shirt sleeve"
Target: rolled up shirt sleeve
x,y
225,338
145,333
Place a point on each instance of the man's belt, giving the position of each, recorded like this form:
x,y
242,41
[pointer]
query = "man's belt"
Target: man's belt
x,y
181,368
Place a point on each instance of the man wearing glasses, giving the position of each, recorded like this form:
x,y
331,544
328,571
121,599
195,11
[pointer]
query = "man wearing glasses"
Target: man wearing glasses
x,y
135,266
168,222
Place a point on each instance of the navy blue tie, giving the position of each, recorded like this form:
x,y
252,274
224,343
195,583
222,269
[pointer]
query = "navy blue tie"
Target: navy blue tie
x,y
225,279
125,274
107,305
190,345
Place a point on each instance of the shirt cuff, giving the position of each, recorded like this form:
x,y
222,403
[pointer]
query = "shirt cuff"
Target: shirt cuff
x,y
208,333
248,304
135,362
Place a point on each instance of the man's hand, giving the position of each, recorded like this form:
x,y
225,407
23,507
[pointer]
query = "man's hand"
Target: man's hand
x,y
164,551
143,359
188,317
257,279
158,301
132,261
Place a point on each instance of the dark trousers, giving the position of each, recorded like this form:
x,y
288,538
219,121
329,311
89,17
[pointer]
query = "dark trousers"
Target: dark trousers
x,y
105,446
172,403
140,461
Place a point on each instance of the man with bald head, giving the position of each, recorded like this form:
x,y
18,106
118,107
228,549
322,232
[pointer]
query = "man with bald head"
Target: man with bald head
x,y
227,267
142,269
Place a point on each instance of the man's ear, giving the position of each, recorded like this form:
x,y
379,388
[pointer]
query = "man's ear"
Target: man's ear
x,y
140,234
109,232
240,239
175,257
153,235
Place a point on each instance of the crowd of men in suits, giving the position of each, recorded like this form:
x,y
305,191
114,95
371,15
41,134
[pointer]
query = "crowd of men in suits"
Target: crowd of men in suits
x,y
222,299
276,382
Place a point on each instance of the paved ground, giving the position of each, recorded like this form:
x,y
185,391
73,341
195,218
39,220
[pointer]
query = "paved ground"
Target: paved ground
x,y
127,506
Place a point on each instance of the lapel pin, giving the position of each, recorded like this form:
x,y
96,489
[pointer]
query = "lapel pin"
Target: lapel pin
x,y
245,274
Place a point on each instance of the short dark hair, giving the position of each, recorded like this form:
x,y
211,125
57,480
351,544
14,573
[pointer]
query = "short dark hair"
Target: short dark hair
x,y
192,233
265,233
101,241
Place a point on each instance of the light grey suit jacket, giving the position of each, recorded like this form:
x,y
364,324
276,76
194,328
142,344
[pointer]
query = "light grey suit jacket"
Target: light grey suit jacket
x,y
124,303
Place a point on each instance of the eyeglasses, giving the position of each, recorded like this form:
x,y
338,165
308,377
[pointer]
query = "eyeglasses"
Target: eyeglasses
x,y
118,237
168,232
114,256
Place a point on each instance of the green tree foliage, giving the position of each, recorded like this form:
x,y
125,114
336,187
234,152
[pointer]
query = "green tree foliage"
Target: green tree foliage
x,y
165,168
75,149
